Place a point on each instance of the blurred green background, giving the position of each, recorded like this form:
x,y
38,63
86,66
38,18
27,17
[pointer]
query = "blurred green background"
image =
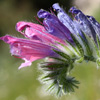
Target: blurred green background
x,y
23,84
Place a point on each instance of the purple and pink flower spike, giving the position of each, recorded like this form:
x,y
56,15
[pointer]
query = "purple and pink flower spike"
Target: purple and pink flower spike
x,y
40,38
60,38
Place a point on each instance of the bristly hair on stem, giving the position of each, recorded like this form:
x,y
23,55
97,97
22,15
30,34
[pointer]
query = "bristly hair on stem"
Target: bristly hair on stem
x,y
58,70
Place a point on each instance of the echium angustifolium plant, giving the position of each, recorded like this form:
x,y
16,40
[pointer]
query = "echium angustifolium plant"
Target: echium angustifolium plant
x,y
62,40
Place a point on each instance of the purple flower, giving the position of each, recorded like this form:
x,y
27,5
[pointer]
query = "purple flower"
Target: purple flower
x,y
40,39
53,25
80,23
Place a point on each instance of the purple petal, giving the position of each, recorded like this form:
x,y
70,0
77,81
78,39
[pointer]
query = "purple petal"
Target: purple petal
x,y
95,25
66,20
54,26
83,22
63,17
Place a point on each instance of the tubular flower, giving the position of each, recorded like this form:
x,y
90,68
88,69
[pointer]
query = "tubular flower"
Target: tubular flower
x,y
62,40
28,50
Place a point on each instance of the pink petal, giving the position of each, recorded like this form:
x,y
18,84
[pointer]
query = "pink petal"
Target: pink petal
x,y
25,64
37,32
28,50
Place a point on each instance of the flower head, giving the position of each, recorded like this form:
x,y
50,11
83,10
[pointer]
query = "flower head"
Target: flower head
x,y
64,40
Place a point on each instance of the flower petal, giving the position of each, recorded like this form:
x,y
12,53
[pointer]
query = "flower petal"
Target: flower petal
x,y
25,64
63,17
95,25
54,26
66,20
28,50
36,32
83,22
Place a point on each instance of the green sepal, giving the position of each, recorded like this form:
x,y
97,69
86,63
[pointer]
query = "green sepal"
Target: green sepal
x,y
98,62
98,41
78,45
51,87
86,45
62,54
59,59
80,60
67,48
75,53
97,47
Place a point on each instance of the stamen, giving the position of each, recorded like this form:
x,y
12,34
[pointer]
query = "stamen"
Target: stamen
x,y
16,56
51,11
38,20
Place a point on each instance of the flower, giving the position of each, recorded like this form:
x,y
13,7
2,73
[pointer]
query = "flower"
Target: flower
x,y
28,50
64,40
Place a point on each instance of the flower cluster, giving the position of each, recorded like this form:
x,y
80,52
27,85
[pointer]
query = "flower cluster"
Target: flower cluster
x,y
61,39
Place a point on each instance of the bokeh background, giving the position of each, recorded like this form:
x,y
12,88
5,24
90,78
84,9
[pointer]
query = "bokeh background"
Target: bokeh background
x,y
23,84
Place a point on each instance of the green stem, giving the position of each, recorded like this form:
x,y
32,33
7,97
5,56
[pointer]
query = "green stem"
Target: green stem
x,y
90,58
